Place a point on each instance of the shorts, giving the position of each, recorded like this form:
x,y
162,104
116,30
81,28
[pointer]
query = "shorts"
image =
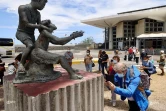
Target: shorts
x,y
161,66
23,36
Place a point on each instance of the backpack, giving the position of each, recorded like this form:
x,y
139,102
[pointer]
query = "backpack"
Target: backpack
x,y
144,82
154,70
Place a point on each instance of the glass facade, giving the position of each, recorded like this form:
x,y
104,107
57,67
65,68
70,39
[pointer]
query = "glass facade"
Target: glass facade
x,y
152,26
129,33
129,37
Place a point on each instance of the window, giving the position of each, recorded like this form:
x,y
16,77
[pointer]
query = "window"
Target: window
x,y
147,24
147,20
114,43
155,29
114,39
147,30
151,20
153,26
160,24
151,29
6,42
160,29
159,42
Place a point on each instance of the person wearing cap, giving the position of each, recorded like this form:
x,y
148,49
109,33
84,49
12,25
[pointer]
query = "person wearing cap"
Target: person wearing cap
x,y
18,59
12,67
143,54
162,61
104,61
147,66
110,76
2,70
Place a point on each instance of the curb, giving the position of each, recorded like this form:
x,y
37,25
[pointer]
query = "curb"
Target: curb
x,y
80,61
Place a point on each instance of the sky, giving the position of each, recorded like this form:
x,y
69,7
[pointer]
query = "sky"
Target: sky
x,y
67,15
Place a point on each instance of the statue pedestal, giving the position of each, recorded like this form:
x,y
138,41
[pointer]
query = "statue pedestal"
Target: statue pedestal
x,y
62,94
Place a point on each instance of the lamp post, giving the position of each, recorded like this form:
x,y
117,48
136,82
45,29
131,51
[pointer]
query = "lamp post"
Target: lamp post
x,y
129,41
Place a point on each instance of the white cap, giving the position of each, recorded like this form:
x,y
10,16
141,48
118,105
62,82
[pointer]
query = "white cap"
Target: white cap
x,y
162,51
11,69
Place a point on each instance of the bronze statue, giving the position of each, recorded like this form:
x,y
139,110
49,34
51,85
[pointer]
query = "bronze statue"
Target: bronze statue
x,y
29,20
40,66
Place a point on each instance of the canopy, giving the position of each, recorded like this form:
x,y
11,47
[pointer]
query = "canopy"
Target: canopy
x,y
152,35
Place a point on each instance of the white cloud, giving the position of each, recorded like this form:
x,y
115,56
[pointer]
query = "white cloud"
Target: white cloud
x,y
68,13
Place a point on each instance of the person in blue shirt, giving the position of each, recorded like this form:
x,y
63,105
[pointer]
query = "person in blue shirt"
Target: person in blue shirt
x,y
147,66
129,87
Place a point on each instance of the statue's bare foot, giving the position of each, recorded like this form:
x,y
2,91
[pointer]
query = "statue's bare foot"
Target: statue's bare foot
x,y
75,76
21,68
75,70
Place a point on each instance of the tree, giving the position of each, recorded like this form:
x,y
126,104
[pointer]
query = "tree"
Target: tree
x,y
88,40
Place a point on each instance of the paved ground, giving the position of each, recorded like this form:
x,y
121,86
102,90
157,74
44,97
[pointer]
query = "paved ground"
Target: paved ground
x,y
158,84
157,98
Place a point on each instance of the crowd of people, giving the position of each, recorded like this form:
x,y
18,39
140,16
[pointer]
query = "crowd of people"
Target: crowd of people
x,y
136,87
129,82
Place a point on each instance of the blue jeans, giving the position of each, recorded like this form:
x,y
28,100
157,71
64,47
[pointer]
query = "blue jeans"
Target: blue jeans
x,y
104,65
99,66
88,67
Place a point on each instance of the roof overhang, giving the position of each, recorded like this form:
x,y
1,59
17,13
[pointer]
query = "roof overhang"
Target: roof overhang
x,y
152,36
109,21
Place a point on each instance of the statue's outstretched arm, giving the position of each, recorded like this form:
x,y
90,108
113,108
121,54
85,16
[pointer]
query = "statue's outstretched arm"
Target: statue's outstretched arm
x,y
64,40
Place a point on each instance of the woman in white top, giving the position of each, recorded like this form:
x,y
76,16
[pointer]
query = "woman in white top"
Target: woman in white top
x,y
137,56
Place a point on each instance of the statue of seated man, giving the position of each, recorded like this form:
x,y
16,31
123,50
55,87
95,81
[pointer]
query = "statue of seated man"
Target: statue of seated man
x,y
41,62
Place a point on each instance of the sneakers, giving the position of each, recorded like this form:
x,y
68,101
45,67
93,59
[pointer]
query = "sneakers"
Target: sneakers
x,y
162,74
113,103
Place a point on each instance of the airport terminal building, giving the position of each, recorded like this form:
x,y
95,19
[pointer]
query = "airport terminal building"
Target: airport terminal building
x,y
144,28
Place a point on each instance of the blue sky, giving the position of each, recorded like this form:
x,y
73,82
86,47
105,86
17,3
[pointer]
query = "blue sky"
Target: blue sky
x,y
67,14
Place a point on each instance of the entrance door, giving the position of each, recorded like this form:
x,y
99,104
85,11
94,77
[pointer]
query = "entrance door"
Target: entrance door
x,y
120,45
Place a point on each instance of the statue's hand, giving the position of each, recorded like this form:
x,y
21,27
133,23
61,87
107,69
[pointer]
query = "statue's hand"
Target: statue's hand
x,y
45,28
77,34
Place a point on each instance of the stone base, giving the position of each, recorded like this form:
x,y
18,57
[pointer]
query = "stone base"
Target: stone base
x,y
37,78
62,94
